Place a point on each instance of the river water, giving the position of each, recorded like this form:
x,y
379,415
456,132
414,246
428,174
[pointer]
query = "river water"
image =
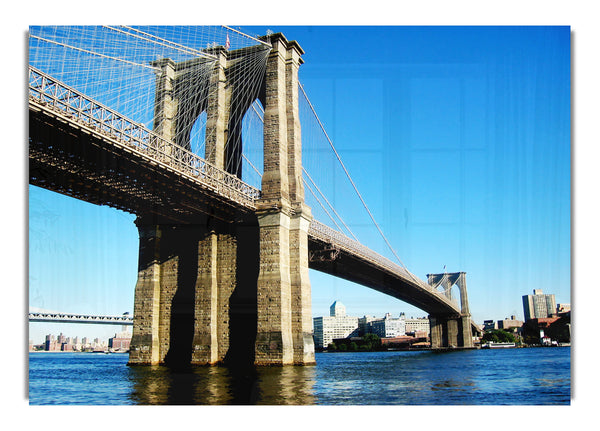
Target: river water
x,y
531,376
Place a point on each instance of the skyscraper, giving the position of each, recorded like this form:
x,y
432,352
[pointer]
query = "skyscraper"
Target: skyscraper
x,y
538,305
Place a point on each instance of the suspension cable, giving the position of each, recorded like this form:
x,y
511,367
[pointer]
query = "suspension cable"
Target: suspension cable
x,y
262,42
87,51
321,203
351,181
330,206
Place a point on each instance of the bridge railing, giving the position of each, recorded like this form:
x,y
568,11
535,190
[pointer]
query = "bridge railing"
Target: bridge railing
x,y
80,318
73,104
338,239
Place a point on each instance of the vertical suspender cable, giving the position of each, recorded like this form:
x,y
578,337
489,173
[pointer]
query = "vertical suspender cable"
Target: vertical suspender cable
x,y
352,182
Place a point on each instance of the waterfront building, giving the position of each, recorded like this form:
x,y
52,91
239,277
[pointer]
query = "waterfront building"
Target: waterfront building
x,y
51,345
364,324
488,325
389,327
510,323
539,305
557,328
419,324
563,308
336,325
120,341
337,309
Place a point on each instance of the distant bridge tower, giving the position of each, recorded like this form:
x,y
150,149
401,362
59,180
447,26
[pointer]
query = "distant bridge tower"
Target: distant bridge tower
x,y
226,285
451,331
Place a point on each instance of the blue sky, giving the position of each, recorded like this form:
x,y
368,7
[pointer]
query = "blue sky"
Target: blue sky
x,y
458,138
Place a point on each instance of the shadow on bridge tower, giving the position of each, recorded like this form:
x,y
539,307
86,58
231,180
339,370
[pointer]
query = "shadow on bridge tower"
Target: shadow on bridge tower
x,y
222,287
447,331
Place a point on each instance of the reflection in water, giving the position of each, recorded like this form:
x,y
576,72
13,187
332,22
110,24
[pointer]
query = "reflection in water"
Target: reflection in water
x,y
533,376
222,385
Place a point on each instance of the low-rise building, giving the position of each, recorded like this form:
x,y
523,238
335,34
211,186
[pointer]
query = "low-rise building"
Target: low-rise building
x,y
388,327
120,341
336,325
419,324
510,323
488,325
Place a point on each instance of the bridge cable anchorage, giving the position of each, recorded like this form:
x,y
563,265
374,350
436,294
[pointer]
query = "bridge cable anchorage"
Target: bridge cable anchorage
x,y
353,184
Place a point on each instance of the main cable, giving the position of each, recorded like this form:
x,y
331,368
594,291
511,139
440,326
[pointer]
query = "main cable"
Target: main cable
x,y
352,182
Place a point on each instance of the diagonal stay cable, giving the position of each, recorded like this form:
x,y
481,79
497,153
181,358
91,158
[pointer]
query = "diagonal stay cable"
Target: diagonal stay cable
x,y
87,51
260,116
352,182
321,204
329,204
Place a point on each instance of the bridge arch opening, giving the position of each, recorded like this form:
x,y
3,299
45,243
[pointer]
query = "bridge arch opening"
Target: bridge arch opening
x,y
452,292
252,144
455,294
197,138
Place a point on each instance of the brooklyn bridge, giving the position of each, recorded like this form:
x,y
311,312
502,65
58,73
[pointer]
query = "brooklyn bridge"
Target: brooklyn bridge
x,y
199,134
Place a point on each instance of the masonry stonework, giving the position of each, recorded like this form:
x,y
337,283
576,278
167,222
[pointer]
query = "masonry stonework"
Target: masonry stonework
x,y
194,300
284,329
450,332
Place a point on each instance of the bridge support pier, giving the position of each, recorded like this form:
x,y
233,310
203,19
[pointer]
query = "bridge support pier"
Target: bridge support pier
x,y
274,303
186,276
449,332
192,276
284,321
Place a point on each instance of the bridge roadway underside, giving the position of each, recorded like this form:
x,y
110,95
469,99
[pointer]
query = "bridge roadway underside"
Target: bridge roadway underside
x,y
85,165
352,268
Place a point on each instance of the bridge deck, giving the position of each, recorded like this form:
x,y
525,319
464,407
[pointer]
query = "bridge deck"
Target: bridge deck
x,y
359,264
80,318
83,149
104,158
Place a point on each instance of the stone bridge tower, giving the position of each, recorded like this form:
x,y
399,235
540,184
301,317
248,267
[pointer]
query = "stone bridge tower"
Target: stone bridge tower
x,y
227,287
451,331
